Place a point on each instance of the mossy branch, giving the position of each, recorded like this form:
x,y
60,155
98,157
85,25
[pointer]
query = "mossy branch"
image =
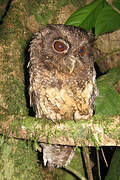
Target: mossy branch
x,y
82,133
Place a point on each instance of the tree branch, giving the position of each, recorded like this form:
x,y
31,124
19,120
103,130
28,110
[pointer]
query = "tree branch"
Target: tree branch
x,y
82,133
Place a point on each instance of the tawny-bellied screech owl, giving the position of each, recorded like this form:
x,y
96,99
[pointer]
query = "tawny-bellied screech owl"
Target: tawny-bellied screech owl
x,y
62,81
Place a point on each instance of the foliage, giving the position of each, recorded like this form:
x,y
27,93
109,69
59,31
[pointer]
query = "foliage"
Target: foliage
x,y
18,160
114,169
108,101
99,15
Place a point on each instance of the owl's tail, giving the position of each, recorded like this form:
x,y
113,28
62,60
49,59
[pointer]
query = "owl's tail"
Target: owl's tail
x,y
57,155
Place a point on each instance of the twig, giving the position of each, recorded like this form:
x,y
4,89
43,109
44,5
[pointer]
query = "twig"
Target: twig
x,y
104,157
98,163
76,173
88,162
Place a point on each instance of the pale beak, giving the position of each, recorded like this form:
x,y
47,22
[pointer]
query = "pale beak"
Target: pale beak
x,y
71,64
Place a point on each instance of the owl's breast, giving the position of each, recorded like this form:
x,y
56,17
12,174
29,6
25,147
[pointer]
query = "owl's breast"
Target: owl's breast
x,y
59,96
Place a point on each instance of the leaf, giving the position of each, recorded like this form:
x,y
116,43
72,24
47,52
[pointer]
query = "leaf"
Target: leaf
x,y
108,101
85,17
107,21
116,3
114,168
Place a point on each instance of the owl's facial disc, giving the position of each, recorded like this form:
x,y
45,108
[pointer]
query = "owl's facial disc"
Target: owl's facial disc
x,y
60,46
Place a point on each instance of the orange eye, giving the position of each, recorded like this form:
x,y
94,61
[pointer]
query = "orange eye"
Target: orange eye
x,y
82,51
60,46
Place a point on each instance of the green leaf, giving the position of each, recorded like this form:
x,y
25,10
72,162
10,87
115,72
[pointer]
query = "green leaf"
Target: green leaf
x,y
114,169
107,21
116,3
108,101
85,17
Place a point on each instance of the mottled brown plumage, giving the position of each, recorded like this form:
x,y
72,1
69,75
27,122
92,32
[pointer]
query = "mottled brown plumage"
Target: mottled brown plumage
x,y
62,80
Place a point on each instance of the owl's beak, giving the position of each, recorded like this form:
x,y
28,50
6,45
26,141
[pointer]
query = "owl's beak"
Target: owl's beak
x,y
71,67
72,63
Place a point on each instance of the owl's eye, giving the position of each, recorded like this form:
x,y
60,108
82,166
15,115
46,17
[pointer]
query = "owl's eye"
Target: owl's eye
x,y
82,51
60,46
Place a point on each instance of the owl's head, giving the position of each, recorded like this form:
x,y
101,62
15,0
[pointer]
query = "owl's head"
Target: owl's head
x,y
61,47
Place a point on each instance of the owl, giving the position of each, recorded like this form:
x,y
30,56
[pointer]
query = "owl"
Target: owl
x,y
62,81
